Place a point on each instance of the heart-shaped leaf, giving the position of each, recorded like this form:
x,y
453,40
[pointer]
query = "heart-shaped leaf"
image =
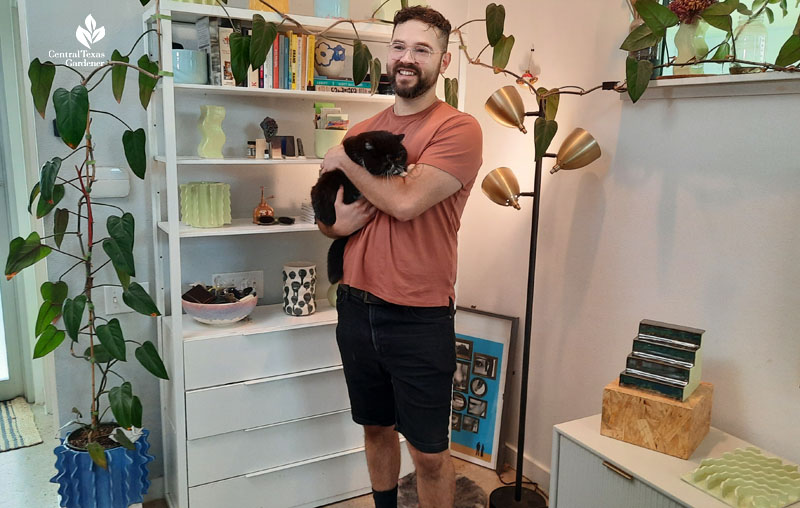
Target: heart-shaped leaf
x,y
495,22
72,114
742,8
722,22
24,252
60,223
97,454
73,315
121,257
790,52
362,58
118,74
34,193
638,74
41,76
133,142
110,336
54,292
656,16
122,229
543,133
502,52
47,179
101,354
240,56
551,105
375,76
50,339
770,15
146,83
451,91
43,207
147,354
719,9
641,37
136,412
48,313
122,439
137,299
262,39
796,30
120,398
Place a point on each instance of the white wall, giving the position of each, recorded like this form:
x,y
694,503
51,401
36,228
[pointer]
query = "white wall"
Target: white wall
x,y
689,217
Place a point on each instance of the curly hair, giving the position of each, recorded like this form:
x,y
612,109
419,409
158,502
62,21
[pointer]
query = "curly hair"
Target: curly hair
x,y
430,17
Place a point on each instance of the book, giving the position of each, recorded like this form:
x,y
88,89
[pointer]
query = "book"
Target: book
x,y
649,328
281,61
301,61
311,48
253,77
208,40
341,89
275,63
341,82
292,60
225,56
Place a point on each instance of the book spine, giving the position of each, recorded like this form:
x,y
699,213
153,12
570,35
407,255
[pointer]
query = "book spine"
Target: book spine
x,y
281,61
215,63
225,56
275,63
261,77
301,62
285,62
668,331
340,82
341,89
312,41
267,67
293,62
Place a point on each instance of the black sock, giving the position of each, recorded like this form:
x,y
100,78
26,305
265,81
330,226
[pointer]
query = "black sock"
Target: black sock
x,y
385,498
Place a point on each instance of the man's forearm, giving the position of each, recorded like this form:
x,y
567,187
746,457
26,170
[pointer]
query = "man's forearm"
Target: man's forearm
x,y
328,230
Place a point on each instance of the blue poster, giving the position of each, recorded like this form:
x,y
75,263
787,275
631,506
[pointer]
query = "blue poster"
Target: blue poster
x,y
476,393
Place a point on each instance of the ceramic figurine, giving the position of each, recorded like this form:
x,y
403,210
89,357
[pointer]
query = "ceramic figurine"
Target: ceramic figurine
x,y
263,209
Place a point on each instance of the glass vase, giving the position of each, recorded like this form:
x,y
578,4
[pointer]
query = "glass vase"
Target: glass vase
x,y
690,40
751,39
332,8
210,127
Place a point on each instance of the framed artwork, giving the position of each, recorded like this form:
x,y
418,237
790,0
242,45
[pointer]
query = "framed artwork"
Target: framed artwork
x,y
483,340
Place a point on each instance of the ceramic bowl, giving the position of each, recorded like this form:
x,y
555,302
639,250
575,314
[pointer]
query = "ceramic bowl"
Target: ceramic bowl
x,y
221,313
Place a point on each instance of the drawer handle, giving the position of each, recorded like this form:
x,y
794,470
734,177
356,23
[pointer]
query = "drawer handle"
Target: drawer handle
x,y
617,470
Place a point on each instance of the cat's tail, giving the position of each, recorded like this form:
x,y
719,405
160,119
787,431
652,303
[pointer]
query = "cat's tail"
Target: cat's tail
x,y
336,260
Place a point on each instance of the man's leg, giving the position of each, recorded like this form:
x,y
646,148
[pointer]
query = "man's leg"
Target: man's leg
x,y
436,478
383,456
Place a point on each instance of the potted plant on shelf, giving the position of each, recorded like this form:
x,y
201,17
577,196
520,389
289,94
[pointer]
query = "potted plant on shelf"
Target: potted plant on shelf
x,y
102,462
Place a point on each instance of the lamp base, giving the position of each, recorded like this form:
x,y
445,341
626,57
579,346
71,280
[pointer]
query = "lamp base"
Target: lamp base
x,y
504,497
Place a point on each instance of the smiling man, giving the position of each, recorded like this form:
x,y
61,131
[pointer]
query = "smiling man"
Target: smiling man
x,y
396,299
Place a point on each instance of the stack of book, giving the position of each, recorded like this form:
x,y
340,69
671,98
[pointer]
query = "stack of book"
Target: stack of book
x,y
341,85
307,213
666,359
289,64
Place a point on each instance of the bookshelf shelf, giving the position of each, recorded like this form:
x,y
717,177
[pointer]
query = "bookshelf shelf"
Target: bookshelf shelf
x,y
239,227
283,94
197,161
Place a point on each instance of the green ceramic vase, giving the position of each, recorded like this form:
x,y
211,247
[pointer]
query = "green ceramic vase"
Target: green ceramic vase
x,y
210,127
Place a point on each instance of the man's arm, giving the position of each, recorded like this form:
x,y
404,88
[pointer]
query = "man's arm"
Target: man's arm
x,y
349,218
404,198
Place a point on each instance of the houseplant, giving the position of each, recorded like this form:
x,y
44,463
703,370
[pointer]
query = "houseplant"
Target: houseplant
x,y
101,463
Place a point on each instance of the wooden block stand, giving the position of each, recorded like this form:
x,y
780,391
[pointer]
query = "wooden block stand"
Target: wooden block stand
x,y
656,422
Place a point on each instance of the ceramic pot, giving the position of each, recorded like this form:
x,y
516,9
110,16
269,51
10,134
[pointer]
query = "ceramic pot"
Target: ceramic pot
x,y
332,8
299,288
329,57
221,313
81,484
205,204
210,127
690,40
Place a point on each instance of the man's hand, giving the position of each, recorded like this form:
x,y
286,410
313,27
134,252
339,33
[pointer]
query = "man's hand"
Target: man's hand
x,y
349,218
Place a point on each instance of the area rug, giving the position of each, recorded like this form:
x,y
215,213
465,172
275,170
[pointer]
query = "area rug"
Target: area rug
x,y
17,426
468,493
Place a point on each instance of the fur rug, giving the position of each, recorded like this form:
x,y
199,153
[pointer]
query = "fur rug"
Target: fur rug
x,y
468,493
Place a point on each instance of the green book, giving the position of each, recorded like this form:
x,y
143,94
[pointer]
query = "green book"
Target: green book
x,y
667,349
649,328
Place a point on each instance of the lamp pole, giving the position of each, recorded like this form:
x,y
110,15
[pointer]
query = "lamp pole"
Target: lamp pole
x,y
517,497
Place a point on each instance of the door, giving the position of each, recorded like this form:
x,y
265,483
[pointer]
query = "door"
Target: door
x,y
11,371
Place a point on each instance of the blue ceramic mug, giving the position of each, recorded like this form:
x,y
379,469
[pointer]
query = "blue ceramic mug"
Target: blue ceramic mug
x,y
190,66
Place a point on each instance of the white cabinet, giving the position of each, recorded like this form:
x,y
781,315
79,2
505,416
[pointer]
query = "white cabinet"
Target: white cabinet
x,y
255,414
591,470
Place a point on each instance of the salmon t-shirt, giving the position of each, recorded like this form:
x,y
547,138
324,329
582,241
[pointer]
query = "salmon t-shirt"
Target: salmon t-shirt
x,y
414,262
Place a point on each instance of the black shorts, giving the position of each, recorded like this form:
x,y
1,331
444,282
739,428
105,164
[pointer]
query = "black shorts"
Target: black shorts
x,y
399,363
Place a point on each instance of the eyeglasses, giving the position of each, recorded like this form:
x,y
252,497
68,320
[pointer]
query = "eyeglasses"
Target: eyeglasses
x,y
420,54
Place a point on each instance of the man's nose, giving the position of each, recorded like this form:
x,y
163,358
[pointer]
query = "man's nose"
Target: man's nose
x,y
407,56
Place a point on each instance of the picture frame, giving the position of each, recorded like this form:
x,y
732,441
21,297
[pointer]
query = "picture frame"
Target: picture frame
x,y
483,342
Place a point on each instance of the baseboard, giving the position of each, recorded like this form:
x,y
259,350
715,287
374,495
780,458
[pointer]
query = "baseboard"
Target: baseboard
x,y
531,469
156,490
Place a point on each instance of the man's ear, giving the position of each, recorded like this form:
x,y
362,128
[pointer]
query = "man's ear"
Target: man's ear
x,y
445,62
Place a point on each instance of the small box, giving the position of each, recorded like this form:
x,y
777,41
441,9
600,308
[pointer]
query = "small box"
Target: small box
x,y
657,422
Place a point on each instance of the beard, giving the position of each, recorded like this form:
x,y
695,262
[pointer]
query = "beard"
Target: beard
x,y
424,82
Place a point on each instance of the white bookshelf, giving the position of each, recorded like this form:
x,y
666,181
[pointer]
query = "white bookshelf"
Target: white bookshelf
x,y
189,160
239,227
240,91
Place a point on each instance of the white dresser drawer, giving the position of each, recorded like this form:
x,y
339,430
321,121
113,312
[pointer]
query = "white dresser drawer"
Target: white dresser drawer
x,y
222,360
247,451
240,406
311,483
584,481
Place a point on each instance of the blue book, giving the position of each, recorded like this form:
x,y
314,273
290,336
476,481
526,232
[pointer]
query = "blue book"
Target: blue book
x,y
287,83
282,61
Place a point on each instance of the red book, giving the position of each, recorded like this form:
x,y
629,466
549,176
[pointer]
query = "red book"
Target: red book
x,y
261,77
275,64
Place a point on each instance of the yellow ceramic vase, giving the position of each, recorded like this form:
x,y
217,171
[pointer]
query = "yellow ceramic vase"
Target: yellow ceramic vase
x,y
210,126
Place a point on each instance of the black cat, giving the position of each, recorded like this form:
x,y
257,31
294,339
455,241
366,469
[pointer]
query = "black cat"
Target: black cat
x,y
382,154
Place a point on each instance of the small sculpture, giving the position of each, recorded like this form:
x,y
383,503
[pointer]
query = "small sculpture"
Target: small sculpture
x,y
262,210
270,128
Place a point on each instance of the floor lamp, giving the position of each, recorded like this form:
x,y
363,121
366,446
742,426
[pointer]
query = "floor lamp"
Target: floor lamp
x,y
578,149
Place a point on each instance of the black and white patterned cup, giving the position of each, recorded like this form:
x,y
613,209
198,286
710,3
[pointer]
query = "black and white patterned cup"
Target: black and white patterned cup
x,y
299,288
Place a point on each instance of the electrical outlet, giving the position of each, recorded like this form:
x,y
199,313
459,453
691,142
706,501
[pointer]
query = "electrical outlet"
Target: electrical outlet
x,y
113,299
240,280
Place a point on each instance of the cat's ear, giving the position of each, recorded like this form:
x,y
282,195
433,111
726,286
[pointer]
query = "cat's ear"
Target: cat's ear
x,y
400,137
368,146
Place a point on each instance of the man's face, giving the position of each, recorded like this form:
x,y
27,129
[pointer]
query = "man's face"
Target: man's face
x,y
410,77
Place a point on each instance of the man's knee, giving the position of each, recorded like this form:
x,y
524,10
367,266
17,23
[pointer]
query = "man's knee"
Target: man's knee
x,y
428,464
379,433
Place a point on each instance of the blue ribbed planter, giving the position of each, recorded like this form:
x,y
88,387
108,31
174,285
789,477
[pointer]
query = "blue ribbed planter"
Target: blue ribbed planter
x,y
82,484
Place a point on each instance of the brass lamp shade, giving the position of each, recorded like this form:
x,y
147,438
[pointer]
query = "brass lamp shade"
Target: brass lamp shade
x,y
501,186
578,150
506,108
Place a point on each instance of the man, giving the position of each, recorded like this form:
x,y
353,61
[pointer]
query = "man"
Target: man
x,y
395,302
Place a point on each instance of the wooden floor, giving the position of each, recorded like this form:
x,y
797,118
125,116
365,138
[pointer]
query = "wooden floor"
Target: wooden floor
x,y
486,478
